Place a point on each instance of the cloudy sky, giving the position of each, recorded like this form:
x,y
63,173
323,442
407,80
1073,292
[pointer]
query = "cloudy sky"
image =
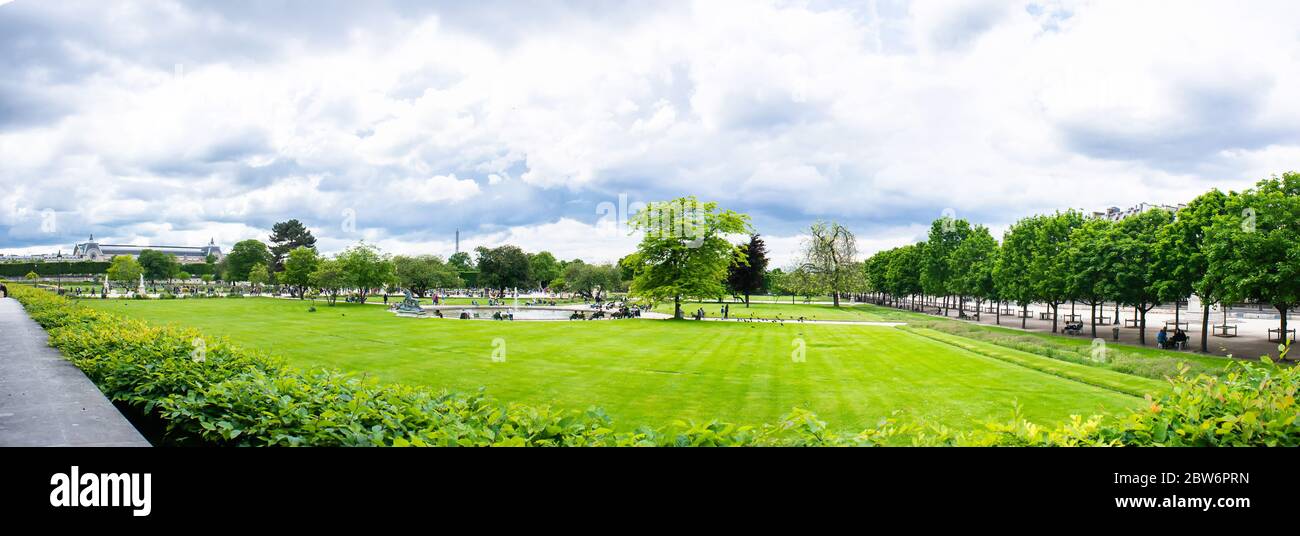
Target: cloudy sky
x,y
170,122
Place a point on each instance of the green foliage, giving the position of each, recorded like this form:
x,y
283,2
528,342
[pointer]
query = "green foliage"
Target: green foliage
x,y
684,251
830,253
750,276
503,267
591,280
366,268
287,236
124,269
423,273
157,265
243,257
298,268
15,269
543,268
330,278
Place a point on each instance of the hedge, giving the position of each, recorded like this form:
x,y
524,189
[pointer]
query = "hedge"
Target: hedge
x,y
21,269
205,391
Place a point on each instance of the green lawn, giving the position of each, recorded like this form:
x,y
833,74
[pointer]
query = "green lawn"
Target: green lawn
x,y
652,371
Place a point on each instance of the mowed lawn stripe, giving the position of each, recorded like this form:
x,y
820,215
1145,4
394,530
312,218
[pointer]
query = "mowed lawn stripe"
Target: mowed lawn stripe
x,y
650,372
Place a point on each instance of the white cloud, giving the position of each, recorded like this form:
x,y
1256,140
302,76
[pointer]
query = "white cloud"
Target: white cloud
x,y
426,121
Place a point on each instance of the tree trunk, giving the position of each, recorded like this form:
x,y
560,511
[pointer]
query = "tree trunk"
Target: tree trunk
x,y
1024,316
1094,320
1176,313
747,300
1055,314
1282,336
1142,327
1205,327
677,307
997,310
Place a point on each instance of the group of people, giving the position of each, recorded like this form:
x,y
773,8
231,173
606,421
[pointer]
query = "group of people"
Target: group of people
x,y
1177,341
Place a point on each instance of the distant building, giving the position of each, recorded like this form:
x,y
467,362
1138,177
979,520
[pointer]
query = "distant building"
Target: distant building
x,y
1115,214
94,251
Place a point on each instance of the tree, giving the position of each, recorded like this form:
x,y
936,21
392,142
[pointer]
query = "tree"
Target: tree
x,y
157,265
183,276
802,282
424,273
971,266
1183,256
902,276
1254,249
1049,266
259,276
243,257
592,280
330,279
503,267
775,282
946,235
1014,272
829,252
544,268
1091,258
461,261
125,269
366,269
287,236
1136,274
684,250
32,276
749,277
298,267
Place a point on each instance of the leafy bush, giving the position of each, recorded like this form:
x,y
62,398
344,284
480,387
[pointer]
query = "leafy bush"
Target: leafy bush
x,y
207,392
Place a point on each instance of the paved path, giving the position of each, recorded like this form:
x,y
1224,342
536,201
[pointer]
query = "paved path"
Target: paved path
x,y
46,401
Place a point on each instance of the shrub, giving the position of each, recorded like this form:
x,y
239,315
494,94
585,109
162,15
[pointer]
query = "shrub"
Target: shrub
x,y
207,392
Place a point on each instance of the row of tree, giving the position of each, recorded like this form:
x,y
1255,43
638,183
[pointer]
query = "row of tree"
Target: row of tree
x,y
1222,247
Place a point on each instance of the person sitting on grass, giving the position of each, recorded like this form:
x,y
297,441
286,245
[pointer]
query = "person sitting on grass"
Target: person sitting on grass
x,y
1162,338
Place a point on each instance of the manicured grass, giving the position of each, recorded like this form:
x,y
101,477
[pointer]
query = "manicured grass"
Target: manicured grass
x,y
652,371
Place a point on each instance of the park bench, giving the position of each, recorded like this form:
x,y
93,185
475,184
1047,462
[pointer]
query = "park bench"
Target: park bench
x,y
1223,329
1176,325
1045,315
1073,327
1101,319
1278,337
1071,317
1131,322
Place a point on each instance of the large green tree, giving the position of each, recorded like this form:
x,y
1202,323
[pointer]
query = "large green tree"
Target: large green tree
x,y
298,267
126,270
1254,249
330,278
1049,265
971,266
1014,272
366,269
287,236
544,268
684,250
1136,272
592,280
1091,259
1183,256
748,277
158,266
946,235
243,257
423,273
503,267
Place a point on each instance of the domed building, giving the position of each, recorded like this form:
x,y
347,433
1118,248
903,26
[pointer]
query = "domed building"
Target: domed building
x,y
94,251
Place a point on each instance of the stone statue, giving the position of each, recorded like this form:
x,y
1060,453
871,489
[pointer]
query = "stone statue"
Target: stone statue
x,y
410,305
